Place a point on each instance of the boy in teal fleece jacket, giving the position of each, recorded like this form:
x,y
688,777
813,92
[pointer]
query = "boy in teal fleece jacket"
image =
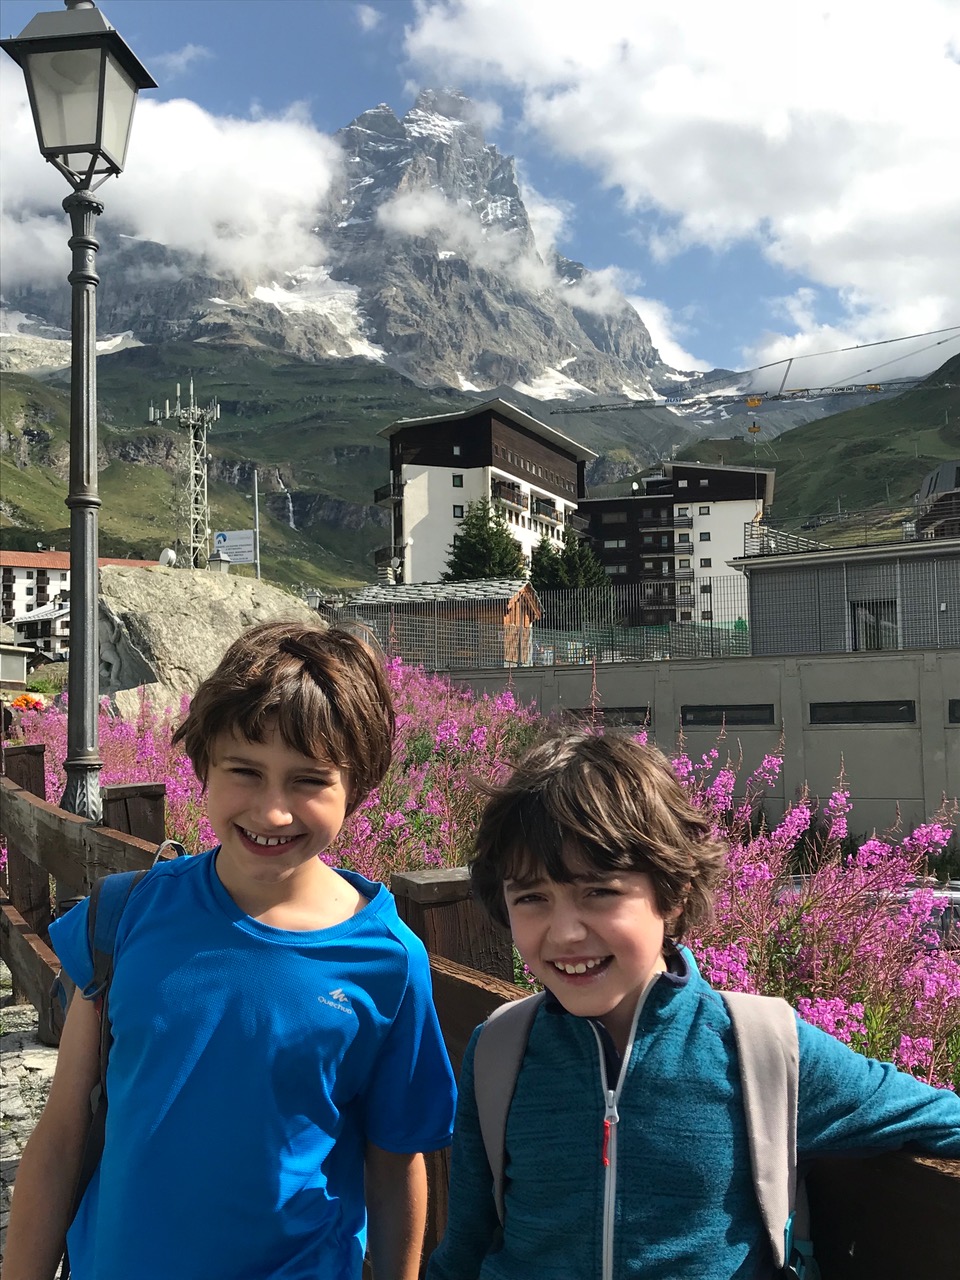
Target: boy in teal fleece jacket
x,y
626,1150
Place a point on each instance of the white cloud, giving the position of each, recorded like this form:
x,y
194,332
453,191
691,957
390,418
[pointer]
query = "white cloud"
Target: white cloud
x,y
667,330
550,219
368,17
242,193
827,136
176,64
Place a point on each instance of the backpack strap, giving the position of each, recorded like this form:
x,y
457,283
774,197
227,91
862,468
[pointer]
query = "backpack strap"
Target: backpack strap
x,y
500,1048
765,1033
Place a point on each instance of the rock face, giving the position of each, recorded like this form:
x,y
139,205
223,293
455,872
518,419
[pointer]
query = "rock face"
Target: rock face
x,y
167,629
430,264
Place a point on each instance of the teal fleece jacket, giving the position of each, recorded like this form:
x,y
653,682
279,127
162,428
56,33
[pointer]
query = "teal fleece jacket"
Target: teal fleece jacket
x,y
684,1206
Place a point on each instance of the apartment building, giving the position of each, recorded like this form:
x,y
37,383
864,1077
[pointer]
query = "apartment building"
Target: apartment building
x,y
673,533
439,465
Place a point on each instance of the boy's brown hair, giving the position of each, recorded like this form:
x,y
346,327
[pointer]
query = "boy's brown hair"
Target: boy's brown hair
x,y
325,689
607,800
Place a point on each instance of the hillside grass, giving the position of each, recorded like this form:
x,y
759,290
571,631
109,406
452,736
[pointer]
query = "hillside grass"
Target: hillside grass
x,y
875,455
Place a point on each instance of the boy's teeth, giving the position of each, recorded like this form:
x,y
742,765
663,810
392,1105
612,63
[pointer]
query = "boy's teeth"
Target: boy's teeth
x,y
269,841
581,967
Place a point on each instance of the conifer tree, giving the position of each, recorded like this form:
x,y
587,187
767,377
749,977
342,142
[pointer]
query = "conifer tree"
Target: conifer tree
x,y
546,566
484,547
579,564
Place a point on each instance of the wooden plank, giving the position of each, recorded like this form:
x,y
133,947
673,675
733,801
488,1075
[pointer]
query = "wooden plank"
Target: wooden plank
x,y
28,886
439,907
31,963
45,834
136,808
886,1217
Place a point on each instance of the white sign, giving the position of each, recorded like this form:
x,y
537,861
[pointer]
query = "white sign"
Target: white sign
x,y
238,544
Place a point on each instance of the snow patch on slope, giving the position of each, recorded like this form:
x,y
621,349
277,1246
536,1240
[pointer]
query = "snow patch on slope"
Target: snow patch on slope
x,y
311,290
552,384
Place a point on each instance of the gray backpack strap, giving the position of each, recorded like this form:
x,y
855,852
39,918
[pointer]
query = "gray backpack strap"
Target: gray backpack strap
x,y
500,1048
765,1032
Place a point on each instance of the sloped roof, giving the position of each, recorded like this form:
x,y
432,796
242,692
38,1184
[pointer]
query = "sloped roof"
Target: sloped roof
x,y
58,560
428,592
46,613
506,410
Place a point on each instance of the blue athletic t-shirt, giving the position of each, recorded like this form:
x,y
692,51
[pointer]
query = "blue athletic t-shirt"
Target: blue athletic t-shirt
x,y
249,1068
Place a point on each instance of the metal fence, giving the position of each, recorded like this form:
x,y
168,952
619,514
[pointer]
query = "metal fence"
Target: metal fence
x,y
704,618
878,526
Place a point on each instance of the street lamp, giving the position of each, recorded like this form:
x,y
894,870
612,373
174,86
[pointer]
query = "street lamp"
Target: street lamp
x,y
82,82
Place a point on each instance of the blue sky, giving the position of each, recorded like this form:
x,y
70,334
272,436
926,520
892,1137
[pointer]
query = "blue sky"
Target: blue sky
x,y
762,180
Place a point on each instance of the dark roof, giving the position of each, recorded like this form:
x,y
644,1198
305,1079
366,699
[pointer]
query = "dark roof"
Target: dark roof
x,y
427,592
505,410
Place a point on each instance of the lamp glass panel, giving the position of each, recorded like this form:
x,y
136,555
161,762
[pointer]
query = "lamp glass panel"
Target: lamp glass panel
x,y
66,90
119,99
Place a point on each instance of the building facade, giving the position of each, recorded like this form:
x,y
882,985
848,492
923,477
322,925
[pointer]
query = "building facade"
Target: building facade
x,y
494,451
674,533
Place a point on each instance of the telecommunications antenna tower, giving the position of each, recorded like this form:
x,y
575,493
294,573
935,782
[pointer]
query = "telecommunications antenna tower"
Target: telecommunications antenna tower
x,y
195,420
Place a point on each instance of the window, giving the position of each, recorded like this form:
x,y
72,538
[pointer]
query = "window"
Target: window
x,y
953,711
890,712
706,615
686,589
704,511
706,562
647,539
457,512
681,484
728,713
63,577
684,511
686,615
706,588
704,483
29,573
704,537
456,451
873,624
29,591
614,569
646,513
614,542
648,564
684,564
496,451
613,517
458,482
683,537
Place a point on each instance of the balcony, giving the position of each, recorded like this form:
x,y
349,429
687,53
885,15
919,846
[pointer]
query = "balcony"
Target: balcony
x,y
392,492
683,575
546,511
580,523
510,495
682,522
384,555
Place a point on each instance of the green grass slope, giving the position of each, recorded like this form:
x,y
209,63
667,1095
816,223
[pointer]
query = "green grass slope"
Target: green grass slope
x,y
872,456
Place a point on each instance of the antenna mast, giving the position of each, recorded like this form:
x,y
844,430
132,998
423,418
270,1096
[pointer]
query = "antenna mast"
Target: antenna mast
x,y
195,420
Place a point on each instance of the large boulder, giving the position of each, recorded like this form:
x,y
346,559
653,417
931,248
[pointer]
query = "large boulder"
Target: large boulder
x,y
166,629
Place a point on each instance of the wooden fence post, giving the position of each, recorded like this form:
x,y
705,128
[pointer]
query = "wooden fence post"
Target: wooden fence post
x,y
29,885
136,809
437,905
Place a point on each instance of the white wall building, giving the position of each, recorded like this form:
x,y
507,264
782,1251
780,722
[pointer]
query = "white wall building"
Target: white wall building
x,y
492,451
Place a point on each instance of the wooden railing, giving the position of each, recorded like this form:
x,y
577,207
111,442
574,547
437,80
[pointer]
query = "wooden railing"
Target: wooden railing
x,y
879,1219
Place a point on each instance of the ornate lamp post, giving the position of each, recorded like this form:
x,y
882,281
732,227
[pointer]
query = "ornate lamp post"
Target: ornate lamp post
x,y
82,81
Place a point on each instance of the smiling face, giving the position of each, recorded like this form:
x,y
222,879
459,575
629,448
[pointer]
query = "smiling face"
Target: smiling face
x,y
272,809
594,941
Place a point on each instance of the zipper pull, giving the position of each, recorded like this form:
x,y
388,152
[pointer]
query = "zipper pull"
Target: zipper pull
x,y
610,1118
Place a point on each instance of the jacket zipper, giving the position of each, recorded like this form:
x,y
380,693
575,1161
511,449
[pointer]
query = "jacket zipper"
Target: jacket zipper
x,y
611,1119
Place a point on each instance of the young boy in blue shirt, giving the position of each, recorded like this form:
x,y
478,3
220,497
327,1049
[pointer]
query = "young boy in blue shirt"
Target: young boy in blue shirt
x,y
277,1066
626,1150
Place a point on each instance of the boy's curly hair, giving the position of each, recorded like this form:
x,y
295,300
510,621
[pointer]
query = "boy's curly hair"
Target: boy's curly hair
x,y
325,689
607,800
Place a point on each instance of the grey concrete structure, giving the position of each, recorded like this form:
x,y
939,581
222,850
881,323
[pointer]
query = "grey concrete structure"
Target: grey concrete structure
x,y
891,721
